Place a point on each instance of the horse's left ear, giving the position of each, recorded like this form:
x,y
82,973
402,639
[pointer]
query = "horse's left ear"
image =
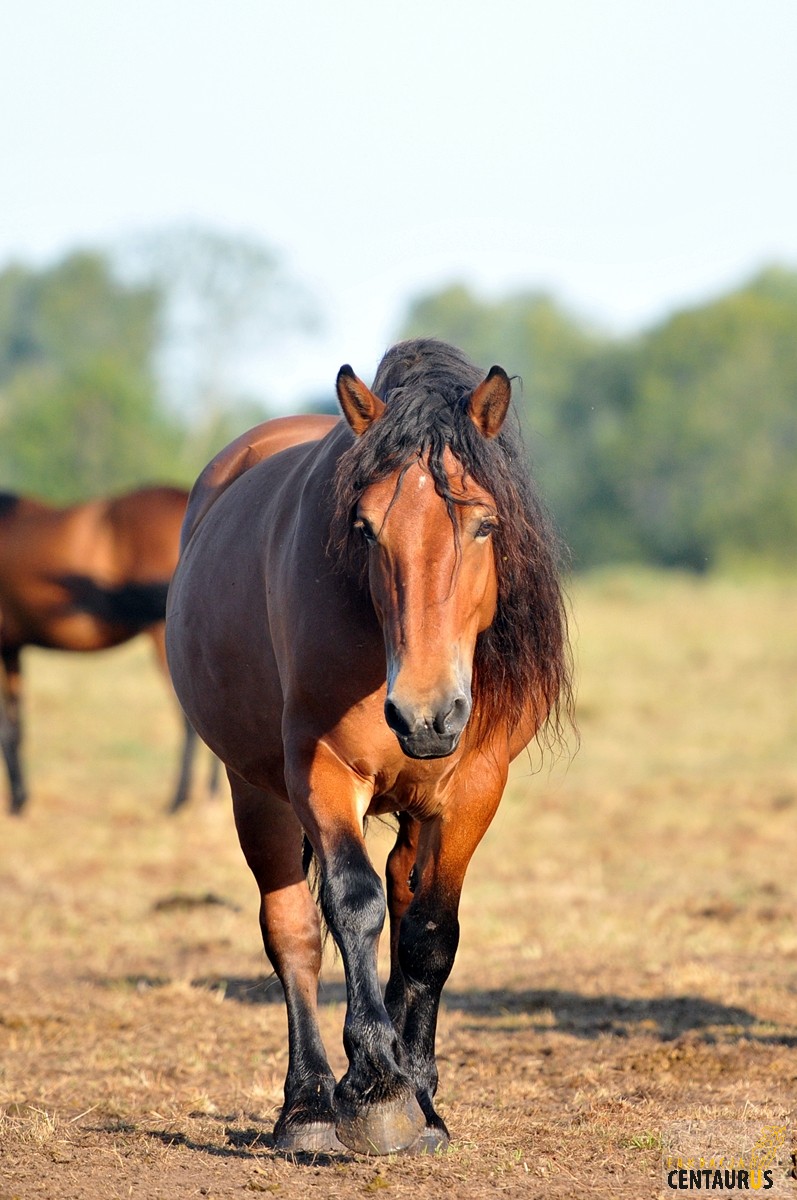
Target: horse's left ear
x,y
489,402
360,405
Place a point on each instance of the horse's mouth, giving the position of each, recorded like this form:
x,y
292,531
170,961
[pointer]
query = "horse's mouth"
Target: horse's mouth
x,y
429,746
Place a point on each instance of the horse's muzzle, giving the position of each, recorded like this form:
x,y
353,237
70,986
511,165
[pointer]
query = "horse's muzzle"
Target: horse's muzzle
x,y
425,734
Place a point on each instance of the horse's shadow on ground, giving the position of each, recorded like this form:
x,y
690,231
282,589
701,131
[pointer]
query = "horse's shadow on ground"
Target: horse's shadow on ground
x,y
239,1142
244,1143
548,1010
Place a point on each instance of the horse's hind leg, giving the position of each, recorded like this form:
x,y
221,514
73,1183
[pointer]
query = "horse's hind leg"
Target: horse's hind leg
x,y
400,877
271,839
11,726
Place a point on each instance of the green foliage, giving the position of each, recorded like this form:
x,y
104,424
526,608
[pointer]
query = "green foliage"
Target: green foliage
x,y
714,430
88,404
67,315
87,430
79,413
677,447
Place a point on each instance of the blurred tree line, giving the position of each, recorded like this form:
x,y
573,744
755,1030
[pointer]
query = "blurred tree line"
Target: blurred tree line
x,y
77,392
119,368
676,447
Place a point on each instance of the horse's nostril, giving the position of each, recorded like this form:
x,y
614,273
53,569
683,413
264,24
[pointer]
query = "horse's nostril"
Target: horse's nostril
x,y
396,719
454,720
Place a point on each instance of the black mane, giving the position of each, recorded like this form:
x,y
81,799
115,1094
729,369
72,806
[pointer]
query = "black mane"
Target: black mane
x,y
523,657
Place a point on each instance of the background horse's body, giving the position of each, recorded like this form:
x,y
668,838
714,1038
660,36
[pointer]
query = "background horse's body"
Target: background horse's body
x,y
82,578
326,650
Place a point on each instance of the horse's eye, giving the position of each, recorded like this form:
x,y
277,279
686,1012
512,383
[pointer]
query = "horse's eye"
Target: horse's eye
x,y
365,529
485,529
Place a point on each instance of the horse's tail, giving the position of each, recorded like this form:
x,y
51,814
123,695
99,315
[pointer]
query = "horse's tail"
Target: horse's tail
x,y
308,862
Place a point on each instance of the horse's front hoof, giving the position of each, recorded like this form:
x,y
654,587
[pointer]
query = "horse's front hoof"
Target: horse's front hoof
x,y
312,1137
382,1128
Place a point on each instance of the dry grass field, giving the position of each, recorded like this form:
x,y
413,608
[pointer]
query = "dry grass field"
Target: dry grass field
x,y
628,954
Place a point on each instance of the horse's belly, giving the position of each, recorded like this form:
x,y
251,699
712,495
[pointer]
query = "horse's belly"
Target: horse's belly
x,y
222,662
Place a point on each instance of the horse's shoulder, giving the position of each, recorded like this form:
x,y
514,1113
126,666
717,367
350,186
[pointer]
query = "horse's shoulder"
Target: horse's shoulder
x,y
246,451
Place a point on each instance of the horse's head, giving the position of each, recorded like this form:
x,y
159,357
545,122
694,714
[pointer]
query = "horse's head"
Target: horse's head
x,y
431,570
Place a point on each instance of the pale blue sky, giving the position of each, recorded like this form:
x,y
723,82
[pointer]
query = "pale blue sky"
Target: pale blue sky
x,y
628,155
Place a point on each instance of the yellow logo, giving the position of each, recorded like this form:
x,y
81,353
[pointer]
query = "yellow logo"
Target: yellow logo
x,y
749,1164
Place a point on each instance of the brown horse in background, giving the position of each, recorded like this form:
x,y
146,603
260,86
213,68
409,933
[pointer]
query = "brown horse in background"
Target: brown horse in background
x,y
367,618
83,578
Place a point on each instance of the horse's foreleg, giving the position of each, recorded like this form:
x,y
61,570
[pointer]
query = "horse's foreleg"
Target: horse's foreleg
x,y
11,727
428,940
271,839
375,1104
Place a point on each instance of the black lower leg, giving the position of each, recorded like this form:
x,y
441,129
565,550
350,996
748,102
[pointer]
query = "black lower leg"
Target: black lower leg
x,y
10,737
308,1110
376,1106
354,907
427,947
190,740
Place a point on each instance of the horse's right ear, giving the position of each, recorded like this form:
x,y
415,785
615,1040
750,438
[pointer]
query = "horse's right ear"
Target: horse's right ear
x,y
360,405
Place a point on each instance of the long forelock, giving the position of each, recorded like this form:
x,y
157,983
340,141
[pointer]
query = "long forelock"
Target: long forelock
x,y
418,425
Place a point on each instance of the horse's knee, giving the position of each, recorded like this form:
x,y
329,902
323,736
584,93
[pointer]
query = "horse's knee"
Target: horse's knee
x,y
354,902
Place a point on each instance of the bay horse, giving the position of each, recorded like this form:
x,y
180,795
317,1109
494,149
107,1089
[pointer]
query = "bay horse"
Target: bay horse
x,y
86,577
367,618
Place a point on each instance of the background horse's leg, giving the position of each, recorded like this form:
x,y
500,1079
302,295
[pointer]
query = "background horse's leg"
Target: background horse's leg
x,y
271,839
214,776
190,742
375,1104
428,939
11,726
190,736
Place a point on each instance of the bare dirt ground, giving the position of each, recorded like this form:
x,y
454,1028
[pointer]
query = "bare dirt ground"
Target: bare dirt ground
x,y
628,955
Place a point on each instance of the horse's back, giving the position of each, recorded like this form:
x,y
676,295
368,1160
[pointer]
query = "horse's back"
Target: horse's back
x,y
37,544
90,575
144,532
246,451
